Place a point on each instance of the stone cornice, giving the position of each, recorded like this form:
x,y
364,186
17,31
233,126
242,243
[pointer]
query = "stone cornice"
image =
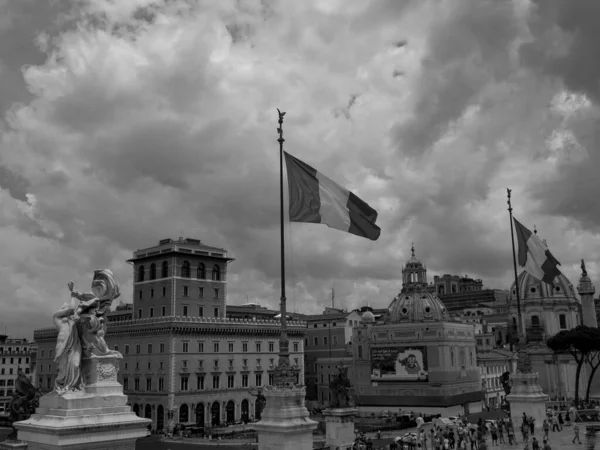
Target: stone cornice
x,y
191,325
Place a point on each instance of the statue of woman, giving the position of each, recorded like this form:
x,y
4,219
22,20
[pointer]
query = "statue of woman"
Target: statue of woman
x,y
68,351
91,310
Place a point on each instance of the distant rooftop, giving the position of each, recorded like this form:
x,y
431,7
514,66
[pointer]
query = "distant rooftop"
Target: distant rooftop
x,y
181,245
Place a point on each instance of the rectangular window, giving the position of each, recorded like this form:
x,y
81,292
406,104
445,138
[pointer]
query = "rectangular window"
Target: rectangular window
x,y
295,346
163,311
185,310
201,292
161,384
230,381
42,354
216,312
324,340
305,342
215,347
200,311
151,311
216,293
271,379
258,379
148,384
164,290
186,291
151,293
215,381
316,340
125,383
184,383
140,313
335,340
138,349
186,347
200,347
562,321
116,348
245,347
149,365
162,347
216,364
230,347
200,383
258,347
244,381
140,295
184,362
271,347
149,348
136,384
161,365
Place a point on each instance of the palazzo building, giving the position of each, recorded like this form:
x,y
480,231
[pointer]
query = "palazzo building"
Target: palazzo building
x,y
416,358
183,360
15,354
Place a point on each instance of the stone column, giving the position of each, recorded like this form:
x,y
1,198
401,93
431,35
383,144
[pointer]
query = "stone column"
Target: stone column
x,y
339,427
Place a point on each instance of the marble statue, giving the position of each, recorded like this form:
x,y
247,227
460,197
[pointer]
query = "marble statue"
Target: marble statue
x,y
81,329
341,389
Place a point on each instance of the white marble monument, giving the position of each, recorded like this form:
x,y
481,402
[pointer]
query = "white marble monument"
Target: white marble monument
x,y
87,408
339,427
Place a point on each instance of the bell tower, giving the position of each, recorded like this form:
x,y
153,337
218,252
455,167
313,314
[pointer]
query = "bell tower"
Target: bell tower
x,y
586,291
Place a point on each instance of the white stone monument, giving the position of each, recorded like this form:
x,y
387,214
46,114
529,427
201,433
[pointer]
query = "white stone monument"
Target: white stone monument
x,y
87,408
526,395
339,427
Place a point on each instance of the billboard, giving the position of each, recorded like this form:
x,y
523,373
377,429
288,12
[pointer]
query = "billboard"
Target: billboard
x,y
399,363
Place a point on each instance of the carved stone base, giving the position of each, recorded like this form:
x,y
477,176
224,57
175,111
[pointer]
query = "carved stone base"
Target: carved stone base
x,y
285,423
526,396
339,427
98,418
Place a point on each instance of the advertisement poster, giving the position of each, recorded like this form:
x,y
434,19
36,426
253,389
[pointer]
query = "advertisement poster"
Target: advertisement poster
x,y
399,363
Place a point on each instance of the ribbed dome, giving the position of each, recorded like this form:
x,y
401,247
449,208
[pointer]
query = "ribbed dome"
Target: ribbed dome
x,y
531,288
368,317
418,307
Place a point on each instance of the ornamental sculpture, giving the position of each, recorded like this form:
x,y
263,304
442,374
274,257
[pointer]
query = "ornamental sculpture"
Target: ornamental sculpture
x,y
341,390
81,329
25,399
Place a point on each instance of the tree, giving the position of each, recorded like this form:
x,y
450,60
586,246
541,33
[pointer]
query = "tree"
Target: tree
x,y
580,342
593,359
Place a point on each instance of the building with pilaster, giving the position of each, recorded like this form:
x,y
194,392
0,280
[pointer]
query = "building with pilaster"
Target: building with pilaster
x,y
15,354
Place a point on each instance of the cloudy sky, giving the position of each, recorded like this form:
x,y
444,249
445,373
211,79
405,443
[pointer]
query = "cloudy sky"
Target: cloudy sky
x,y
124,122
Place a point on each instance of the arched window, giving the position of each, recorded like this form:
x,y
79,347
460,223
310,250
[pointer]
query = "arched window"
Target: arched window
x,y
136,409
230,410
462,360
535,321
141,273
184,413
215,414
200,414
201,272
148,412
185,269
153,271
440,289
216,273
452,356
165,269
245,411
453,288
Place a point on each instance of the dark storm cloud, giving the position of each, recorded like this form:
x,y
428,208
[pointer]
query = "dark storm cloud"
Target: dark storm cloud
x,y
14,183
565,43
462,56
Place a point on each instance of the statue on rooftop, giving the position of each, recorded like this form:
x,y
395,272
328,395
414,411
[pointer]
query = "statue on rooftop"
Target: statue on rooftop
x,y
81,329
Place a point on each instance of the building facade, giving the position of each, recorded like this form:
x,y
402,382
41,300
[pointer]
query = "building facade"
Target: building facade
x,y
416,357
183,360
15,354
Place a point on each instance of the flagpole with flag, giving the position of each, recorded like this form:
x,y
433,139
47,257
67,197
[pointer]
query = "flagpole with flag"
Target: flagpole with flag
x,y
520,331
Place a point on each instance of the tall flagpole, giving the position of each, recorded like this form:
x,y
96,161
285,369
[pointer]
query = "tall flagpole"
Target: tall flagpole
x,y
284,351
520,333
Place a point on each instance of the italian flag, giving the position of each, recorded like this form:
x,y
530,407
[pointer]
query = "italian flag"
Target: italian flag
x,y
315,198
534,255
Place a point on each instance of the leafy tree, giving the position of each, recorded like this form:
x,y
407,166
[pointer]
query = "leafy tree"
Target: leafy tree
x,y
593,359
580,342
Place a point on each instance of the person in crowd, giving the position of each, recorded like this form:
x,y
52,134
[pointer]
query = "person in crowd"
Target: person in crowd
x,y
576,433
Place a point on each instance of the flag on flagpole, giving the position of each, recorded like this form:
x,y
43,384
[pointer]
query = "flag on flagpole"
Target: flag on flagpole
x,y
534,255
315,198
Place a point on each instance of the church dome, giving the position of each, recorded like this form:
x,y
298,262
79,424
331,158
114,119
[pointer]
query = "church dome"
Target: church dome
x,y
368,317
418,306
530,288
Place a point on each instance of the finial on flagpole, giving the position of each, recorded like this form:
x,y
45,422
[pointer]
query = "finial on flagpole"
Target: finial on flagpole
x,y
535,229
412,249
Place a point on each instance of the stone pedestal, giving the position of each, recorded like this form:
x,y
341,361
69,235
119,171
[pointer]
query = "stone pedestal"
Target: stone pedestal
x,y
526,396
13,445
339,427
98,418
285,422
